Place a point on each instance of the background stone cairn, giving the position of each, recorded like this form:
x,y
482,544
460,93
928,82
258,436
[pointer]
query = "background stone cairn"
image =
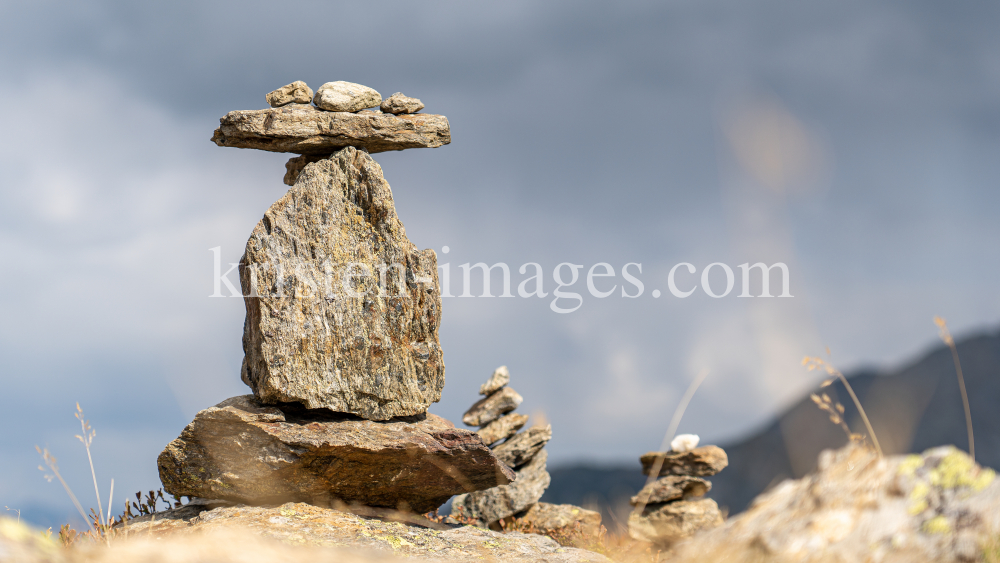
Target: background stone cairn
x,y
517,503
340,342
672,508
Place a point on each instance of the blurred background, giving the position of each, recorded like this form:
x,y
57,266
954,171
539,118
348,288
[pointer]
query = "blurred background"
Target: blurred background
x,y
857,142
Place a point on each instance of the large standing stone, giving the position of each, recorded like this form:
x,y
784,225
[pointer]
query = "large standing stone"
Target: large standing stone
x,y
346,96
502,428
702,462
488,409
665,524
304,129
297,92
244,451
342,309
522,448
504,501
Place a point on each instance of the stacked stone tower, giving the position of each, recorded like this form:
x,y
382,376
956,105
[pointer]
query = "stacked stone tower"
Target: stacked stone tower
x,y
340,342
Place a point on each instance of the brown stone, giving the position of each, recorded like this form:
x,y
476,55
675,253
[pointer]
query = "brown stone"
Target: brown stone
x,y
488,409
701,462
342,309
546,518
244,451
304,129
664,524
296,164
671,487
521,448
500,377
502,428
295,93
398,103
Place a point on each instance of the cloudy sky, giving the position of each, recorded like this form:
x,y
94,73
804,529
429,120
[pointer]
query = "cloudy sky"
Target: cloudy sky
x,y
856,142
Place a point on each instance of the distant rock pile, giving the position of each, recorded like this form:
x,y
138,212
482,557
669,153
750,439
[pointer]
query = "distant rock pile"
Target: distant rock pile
x,y
341,334
524,452
672,508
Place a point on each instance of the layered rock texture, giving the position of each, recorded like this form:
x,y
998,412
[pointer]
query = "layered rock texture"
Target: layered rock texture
x,y
245,451
341,332
857,506
670,508
342,309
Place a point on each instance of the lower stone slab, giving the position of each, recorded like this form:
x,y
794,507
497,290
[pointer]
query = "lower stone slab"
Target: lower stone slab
x,y
244,451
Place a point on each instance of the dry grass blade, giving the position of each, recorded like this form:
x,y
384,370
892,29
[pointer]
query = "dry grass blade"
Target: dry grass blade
x,y
825,403
53,466
946,337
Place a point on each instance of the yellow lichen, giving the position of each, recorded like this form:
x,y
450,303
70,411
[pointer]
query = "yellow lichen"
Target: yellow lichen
x,y
937,525
918,498
955,470
908,467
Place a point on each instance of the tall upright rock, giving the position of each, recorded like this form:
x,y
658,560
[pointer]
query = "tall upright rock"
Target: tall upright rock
x,y
342,309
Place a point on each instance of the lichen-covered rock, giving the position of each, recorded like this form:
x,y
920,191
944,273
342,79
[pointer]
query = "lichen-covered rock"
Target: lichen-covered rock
x,y
244,451
546,518
521,448
314,534
502,428
342,309
346,96
304,129
664,524
296,164
295,93
671,487
702,462
488,409
938,506
500,377
398,103
491,505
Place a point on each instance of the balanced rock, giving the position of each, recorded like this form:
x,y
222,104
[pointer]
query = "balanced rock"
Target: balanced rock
x,y
346,96
295,93
486,410
702,462
520,449
245,451
546,518
500,377
490,505
664,524
304,129
342,309
398,103
671,487
502,428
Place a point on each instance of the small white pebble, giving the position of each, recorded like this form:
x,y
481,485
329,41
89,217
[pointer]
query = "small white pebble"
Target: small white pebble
x,y
684,443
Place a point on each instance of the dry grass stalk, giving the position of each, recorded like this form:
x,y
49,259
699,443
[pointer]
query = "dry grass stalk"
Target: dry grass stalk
x,y
814,363
946,337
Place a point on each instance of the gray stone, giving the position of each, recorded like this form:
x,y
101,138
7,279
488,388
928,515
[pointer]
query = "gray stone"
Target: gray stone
x,y
502,428
499,378
342,309
671,487
304,129
295,93
244,451
346,96
398,103
665,524
701,462
488,409
521,448
506,500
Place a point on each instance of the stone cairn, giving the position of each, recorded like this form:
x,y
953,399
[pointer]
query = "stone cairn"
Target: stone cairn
x,y
516,503
672,508
340,342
